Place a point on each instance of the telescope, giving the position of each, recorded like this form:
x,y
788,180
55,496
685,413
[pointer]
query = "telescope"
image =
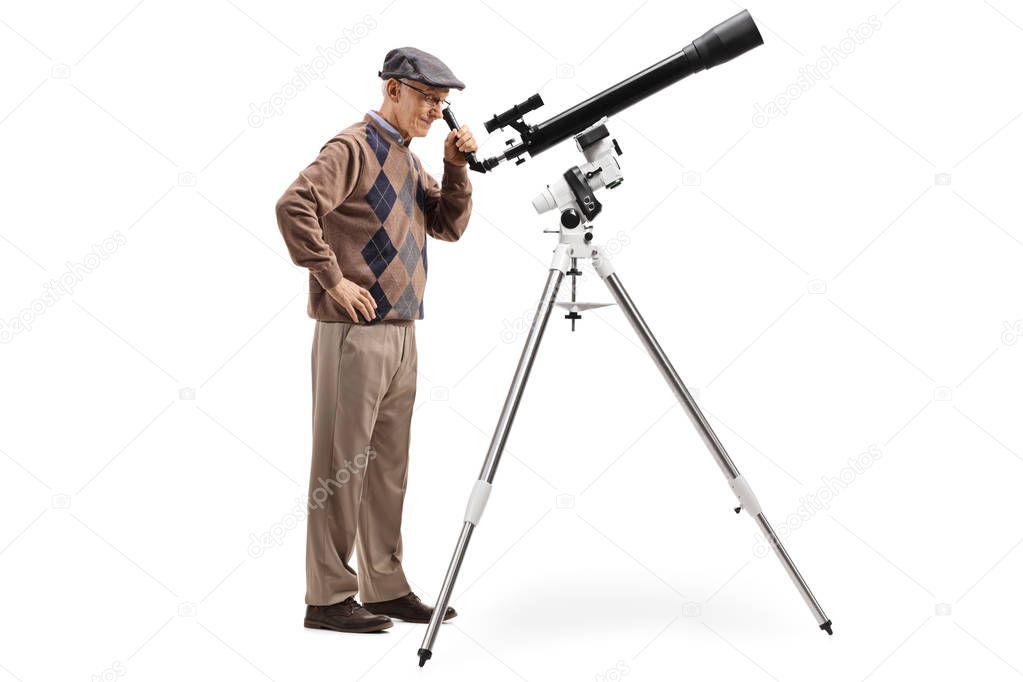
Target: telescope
x,y
724,42
574,197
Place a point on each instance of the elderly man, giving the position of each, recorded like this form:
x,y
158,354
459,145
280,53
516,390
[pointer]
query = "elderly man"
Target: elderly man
x,y
357,218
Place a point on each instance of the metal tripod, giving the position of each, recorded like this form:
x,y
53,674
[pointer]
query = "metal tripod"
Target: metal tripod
x,y
565,255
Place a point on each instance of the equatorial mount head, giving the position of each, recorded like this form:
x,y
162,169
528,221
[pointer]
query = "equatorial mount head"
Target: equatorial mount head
x,y
574,193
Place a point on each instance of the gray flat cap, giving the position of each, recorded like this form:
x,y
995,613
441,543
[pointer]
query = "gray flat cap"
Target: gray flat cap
x,y
414,64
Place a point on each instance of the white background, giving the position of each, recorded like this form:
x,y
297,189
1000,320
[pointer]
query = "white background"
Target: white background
x,y
842,280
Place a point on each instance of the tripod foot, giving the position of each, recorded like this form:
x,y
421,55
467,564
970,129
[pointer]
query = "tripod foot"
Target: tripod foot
x,y
425,654
826,627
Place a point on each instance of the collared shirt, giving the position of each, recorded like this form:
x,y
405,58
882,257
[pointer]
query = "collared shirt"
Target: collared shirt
x,y
387,126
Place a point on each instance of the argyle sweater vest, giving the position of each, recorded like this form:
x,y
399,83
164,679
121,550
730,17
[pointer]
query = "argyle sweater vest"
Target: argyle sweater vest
x,y
362,211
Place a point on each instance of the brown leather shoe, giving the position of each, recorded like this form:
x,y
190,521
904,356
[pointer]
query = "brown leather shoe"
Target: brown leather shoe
x,y
347,616
408,608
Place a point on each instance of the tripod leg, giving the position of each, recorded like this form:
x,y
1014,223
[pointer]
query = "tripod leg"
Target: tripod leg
x,y
481,489
747,500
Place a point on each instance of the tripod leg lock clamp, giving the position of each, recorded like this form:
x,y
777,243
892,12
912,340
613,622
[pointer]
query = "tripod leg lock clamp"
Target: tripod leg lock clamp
x,y
747,500
477,501
601,263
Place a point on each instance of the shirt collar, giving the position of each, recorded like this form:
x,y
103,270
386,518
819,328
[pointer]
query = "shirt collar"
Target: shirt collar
x,y
391,130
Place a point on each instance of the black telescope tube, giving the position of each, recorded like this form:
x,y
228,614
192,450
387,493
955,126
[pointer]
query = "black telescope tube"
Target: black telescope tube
x,y
724,42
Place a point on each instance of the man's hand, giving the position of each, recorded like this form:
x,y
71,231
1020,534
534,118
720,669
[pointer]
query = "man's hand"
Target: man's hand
x,y
459,142
354,298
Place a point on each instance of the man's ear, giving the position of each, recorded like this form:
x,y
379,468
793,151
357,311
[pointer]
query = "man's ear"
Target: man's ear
x,y
393,86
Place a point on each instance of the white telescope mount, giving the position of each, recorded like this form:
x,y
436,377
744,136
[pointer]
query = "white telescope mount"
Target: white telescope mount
x,y
574,196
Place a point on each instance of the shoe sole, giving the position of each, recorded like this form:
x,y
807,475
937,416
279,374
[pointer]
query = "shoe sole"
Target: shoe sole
x,y
314,625
420,621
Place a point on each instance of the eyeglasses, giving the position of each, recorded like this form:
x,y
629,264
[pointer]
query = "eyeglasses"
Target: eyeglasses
x,y
432,100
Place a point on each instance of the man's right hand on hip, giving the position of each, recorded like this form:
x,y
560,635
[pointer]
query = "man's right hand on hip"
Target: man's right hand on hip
x,y
354,298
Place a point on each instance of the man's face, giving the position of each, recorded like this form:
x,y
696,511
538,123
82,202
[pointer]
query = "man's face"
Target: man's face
x,y
416,111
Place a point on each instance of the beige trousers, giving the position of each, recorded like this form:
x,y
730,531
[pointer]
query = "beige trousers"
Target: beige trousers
x,y
364,386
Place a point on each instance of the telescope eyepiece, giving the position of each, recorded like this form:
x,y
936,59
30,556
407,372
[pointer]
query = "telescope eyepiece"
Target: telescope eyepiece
x,y
729,39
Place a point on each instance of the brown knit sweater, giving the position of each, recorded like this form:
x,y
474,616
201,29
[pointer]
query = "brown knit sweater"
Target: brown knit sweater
x,y
362,211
